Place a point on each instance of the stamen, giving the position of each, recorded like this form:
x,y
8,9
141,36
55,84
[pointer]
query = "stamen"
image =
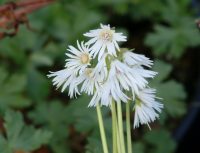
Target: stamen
x,y
85,58
106,35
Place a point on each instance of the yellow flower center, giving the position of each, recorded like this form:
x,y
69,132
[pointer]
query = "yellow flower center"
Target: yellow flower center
x,y
106,35
85,58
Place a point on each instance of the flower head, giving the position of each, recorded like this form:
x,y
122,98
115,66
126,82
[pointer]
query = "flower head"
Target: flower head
x,y
77,62
133,59
108,92
89,81
147,109
65,78
79,59
104,40
130,78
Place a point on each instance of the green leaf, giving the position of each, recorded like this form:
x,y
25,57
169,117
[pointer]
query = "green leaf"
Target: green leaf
x,y
178,33
143,9
161,141
14,101
178,10
40,59
173,41
85,121
94,145
163,70
20,136
173,96
15,83
3,75
93,18
12,93
94,142
38,85
16,48
54,117
4,148
139,147
85,117
164,40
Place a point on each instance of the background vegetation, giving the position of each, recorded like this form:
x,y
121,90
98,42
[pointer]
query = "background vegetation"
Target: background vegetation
x,y
34,117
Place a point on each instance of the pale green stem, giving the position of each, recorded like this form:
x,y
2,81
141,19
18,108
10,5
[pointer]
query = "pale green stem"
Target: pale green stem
x,y
114,127
120,123
118,141
114,114
128,128
102,131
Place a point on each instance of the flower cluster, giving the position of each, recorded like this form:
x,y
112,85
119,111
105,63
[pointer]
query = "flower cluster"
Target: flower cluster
x,y
103,70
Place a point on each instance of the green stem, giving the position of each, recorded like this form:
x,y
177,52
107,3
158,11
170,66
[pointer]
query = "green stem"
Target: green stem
x,y
114,115
118,141
114,127
102,131
120,123
128,128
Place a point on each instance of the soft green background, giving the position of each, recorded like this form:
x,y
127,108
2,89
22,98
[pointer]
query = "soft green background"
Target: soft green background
x,y
35,114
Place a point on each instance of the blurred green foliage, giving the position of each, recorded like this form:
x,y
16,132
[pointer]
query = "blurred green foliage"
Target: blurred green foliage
x,y
20,137
27,58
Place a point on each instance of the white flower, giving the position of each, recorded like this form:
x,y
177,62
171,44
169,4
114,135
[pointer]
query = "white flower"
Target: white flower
x,y
133,59
109,91
121,78
92,78
100,69
76,64
65,78
133,78
89,81
147,109
104,40
79,59
111,78
112,87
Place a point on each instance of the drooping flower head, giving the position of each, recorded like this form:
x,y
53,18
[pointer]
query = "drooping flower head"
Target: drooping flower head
x,y
65,78
147,109
104,40
133,59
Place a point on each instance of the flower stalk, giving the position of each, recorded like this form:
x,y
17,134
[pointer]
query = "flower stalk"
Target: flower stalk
x,y
128,128
120,126
114,128
102,131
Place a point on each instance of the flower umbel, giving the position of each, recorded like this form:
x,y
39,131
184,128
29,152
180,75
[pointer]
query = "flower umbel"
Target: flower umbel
x,y
118,79
116,76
